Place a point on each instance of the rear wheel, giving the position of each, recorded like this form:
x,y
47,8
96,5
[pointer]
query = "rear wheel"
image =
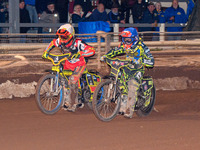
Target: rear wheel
x,y
48,99
105,103
148,106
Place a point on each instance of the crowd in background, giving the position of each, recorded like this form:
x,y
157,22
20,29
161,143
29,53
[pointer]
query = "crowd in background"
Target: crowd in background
x,y
111,11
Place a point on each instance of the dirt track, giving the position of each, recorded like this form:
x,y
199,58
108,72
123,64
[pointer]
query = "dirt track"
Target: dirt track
x,y
175,126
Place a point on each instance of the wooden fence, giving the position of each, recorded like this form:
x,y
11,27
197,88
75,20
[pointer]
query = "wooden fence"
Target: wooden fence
x,y
102,48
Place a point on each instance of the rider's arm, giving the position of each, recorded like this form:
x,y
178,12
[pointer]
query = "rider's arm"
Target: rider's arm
x,y
148,60
116,51
86,50
51,45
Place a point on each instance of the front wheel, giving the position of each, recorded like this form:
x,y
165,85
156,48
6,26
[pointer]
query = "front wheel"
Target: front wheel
x,y
49,94
148,106
106,101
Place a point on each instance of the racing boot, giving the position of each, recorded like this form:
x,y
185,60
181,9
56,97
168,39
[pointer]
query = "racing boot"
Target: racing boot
x,y
129,113
130,109
74,97
67,99
123,106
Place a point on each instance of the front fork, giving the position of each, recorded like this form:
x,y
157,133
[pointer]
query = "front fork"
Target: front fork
x,y
110,89
55,88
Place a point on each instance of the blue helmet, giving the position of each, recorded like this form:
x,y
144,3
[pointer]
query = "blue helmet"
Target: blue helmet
x,y
129,36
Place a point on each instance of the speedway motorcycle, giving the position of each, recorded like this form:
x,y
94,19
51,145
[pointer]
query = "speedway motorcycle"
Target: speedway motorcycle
x,y
50,87
108,95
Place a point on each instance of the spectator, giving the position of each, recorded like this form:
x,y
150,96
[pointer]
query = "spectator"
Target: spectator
x,y
2,16
138,11
161,13
24,16
190,4
30,6
85,4
99,14
151,17
49,16
175,14
62,7
41,6
161,19
109,3
115,17
78,16
127,6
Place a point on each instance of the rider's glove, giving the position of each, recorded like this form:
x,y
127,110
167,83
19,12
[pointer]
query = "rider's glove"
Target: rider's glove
x,y
147,61
45,54
102,58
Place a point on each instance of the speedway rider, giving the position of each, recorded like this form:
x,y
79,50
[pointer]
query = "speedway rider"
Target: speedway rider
x,y
77,50
140,56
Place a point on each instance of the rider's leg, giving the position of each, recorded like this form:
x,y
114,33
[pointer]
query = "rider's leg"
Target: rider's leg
x,y
67,98
132,97
73,96
73,84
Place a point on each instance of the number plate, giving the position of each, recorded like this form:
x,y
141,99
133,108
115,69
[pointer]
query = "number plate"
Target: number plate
x,y
55,68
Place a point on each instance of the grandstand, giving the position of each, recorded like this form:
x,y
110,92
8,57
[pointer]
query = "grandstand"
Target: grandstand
x,y
14,24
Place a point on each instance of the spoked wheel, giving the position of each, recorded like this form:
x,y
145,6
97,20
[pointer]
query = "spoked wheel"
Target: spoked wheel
x,y
49,94
105,103
148,106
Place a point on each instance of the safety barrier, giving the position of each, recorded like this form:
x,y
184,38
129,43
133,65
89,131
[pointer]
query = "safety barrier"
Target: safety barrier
x,y
190,40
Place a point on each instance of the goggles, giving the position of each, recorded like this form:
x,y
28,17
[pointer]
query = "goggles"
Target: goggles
x,y
129,40
65,37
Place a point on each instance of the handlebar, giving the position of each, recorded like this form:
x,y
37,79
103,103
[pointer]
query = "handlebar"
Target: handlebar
x,y
55,59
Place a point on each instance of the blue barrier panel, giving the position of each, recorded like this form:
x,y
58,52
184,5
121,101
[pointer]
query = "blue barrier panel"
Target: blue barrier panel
x,y
92,27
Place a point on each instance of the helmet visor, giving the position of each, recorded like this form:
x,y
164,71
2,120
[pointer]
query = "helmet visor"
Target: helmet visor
x,y
129,40
65,38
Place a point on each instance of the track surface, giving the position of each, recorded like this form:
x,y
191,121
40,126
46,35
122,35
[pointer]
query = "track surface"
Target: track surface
x,y
175,125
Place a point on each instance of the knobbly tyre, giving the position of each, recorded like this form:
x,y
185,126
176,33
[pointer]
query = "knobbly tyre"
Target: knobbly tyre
x,y
108,94
50,88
